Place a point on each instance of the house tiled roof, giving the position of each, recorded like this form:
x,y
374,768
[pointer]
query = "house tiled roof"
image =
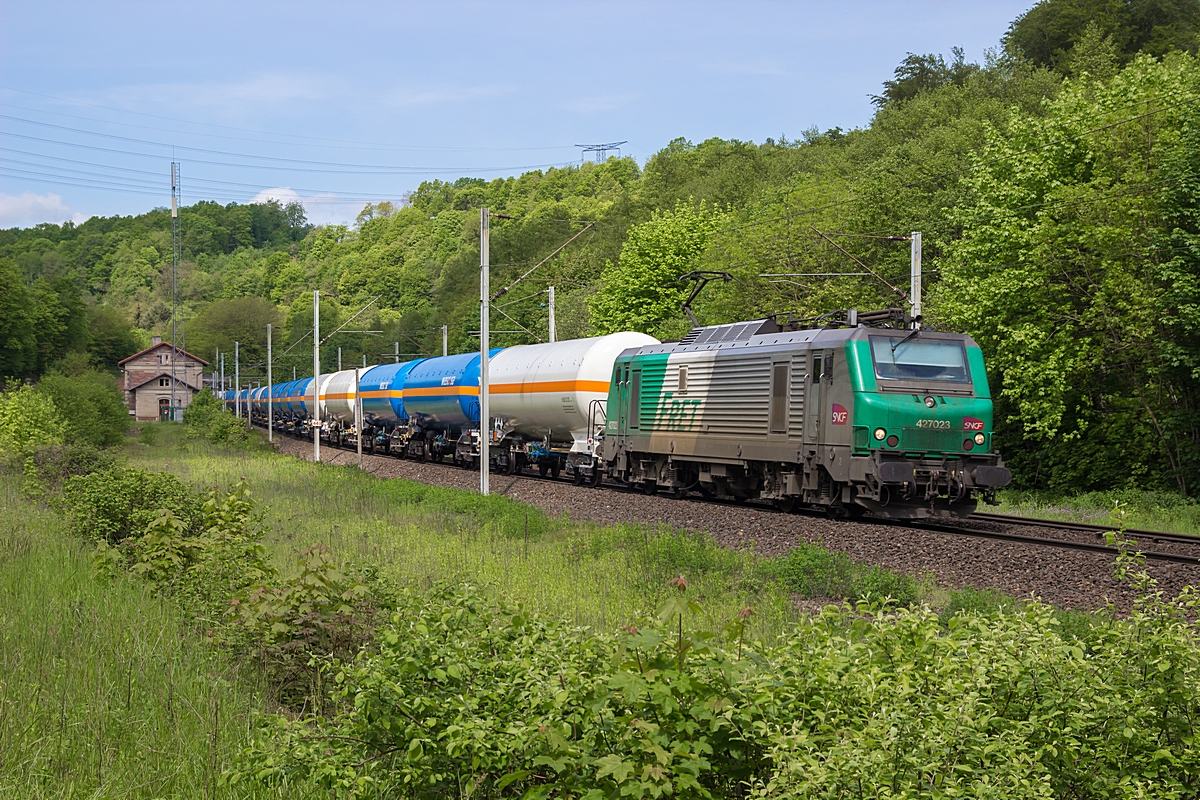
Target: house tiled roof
x,y
162,344
164,374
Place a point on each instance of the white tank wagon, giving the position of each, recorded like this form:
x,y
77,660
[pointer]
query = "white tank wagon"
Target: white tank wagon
x,y
338,401
547,400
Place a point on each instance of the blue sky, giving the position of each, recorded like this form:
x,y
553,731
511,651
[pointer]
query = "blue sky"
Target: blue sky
x,y
336,104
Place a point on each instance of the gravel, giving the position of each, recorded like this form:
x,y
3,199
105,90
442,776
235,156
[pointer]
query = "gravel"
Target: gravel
x,y
1064,578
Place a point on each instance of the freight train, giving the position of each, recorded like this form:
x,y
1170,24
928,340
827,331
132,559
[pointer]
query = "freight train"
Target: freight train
x,y
851,413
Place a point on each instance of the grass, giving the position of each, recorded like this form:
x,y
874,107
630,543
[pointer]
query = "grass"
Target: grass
x,y
103,692
603,577
1148,510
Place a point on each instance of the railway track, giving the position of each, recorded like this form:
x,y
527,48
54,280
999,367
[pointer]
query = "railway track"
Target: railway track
x,y
1088,530
965,528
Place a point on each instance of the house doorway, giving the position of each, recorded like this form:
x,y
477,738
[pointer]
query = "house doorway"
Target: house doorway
x,y
164,409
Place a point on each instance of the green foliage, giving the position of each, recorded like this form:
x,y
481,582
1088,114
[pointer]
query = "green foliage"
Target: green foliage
x,y
106,691
90,404
641,291
243,320
1065,276
29,421
1047,33
469,696
206,417
112,505
814,572
923,73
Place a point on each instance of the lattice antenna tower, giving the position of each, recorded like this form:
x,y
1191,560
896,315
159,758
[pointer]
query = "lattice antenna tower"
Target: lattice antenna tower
x,y
601,150
177,341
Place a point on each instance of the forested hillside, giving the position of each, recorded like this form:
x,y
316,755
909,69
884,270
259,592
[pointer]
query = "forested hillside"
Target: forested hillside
x,y
1055,185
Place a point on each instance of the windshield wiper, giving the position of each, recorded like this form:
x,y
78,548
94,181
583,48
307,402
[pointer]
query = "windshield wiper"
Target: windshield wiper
x,y
914,332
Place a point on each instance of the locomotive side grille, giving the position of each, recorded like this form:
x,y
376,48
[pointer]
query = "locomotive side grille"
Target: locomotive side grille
x,y
930,439
735,394
796,404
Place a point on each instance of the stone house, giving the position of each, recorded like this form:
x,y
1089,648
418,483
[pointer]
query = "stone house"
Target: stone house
x,y
147,380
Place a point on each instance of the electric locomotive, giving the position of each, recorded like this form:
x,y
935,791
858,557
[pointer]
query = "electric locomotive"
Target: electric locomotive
x,y
868,412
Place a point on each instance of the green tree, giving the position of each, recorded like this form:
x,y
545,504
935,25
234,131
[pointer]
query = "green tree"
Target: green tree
x,y
1046,33
90,405
1067,275
18,342
243,320
641,292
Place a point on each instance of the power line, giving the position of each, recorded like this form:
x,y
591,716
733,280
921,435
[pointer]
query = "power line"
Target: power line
x,y
329,142
249,156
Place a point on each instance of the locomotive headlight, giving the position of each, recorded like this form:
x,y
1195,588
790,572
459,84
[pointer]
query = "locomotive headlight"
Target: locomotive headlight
x,y
980,438
880,434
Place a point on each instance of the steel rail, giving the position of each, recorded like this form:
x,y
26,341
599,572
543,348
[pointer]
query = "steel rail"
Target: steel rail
x,y
1086,527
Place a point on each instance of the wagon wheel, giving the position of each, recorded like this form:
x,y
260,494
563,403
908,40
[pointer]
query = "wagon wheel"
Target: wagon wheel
x,y
543,468
510,465
578,477
597,477
786,504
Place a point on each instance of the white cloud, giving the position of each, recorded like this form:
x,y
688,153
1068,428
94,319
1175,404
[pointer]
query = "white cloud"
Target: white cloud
x,y
27,208
266,89
321,209
599,103
445,94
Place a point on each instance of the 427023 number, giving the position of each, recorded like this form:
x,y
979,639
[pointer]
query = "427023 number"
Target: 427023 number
x,y
936,424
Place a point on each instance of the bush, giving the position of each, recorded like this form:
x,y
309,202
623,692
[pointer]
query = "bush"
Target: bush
x,y
91,406
206,417
463,695
57,463
812,571
28,421
117,503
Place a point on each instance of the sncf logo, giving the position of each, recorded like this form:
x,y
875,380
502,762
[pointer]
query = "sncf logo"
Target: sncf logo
x,y
840,414
972,424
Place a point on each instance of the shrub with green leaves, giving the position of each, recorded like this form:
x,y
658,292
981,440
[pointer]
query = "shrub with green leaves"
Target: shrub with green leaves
x,y
114,504
467,696
206,417
812,571
90,404
28,422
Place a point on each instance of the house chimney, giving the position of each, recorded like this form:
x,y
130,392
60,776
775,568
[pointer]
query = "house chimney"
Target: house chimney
x,y
155,340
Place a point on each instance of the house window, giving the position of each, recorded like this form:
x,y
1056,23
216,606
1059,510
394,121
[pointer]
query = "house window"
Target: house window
x,y
164,381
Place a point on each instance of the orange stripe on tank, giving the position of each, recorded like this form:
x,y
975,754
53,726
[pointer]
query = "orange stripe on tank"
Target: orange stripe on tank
x,y
442,391
549,386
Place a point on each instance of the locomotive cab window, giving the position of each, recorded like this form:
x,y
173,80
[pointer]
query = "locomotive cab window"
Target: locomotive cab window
x,y
912,358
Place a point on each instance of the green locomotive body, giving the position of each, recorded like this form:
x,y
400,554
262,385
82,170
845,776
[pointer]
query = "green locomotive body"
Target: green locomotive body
x,y
892,420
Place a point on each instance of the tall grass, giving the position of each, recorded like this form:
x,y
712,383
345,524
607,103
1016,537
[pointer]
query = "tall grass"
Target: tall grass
x,y
1149,510
603,577
103,693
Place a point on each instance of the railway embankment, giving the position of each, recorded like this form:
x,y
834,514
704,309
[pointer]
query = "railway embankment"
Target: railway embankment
x,y
1061,577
